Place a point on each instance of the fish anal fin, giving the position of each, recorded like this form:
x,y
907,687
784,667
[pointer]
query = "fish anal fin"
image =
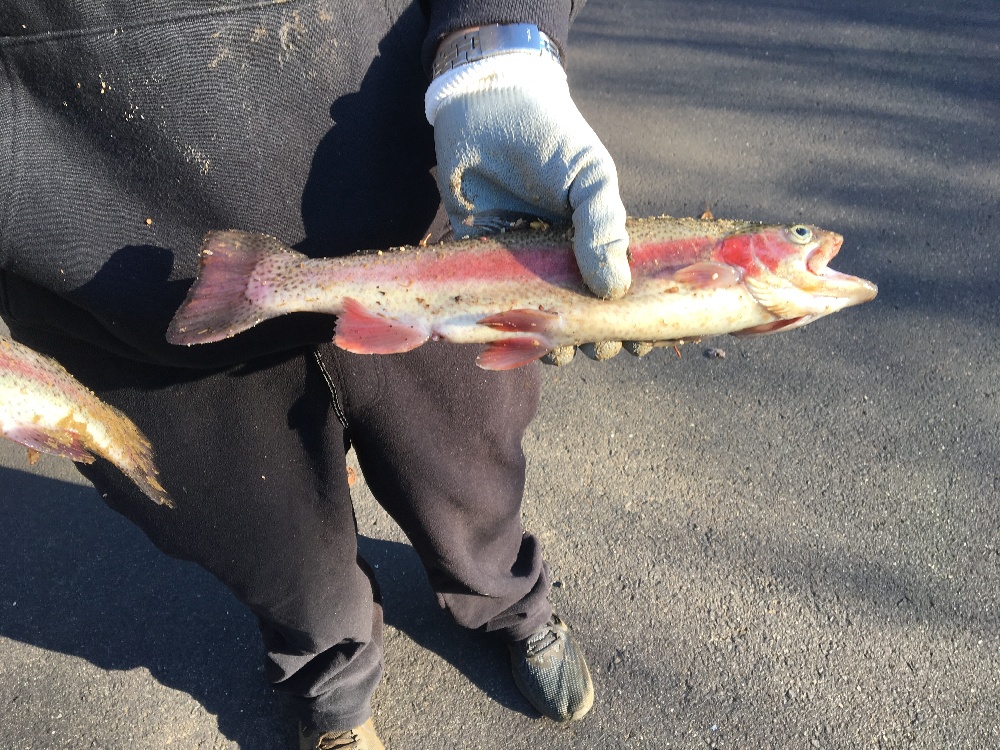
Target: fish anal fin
x,y
708,275
62,443
508,354
522,320
361,331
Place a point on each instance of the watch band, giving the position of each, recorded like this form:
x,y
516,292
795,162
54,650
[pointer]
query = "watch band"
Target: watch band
x,y
467,46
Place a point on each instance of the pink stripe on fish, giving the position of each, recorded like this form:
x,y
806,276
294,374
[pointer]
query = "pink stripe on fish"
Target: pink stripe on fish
x,y
671,253
26,364
554,264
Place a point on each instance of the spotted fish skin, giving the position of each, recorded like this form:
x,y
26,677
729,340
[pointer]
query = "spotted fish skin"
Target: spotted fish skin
x,y
47,410
520,292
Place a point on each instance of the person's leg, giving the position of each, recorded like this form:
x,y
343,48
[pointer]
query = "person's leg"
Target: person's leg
x,y
253,457
439,442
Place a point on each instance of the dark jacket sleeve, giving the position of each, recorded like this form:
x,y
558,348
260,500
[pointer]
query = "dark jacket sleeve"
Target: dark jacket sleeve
x,y
551,16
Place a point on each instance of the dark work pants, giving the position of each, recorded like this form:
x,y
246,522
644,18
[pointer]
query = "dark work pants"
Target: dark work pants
x,y
254,458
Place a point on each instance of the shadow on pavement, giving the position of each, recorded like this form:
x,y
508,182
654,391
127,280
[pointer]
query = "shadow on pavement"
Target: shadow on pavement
x,y
89,584
409,606
78,579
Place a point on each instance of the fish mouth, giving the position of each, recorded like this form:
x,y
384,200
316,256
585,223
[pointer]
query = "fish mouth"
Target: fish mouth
x,y
824,253
852,289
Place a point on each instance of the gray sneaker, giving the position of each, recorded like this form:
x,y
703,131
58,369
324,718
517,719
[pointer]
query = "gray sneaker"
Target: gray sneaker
x,y
550,670
359,738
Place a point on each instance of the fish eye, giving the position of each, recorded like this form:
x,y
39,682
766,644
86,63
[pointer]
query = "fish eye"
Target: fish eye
x,y
800,233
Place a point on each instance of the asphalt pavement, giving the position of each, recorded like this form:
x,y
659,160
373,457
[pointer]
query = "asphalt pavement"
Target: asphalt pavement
x,y
792,546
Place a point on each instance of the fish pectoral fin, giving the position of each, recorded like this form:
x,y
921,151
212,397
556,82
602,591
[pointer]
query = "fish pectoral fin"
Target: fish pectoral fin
x,y
62,443
708,275
361,331
508,354
522,320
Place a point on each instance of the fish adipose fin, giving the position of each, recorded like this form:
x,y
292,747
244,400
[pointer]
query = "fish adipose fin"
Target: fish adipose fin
x,y
217,305
363,332
509,354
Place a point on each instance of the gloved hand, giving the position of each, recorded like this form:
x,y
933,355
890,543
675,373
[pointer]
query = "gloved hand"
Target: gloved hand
x,y
509,139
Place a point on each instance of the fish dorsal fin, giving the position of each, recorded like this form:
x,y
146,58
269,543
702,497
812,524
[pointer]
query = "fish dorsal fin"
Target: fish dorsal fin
x,y
500,220
361,331
509,354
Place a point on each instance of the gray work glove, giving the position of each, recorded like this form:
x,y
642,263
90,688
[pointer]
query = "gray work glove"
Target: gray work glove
x,y
510,140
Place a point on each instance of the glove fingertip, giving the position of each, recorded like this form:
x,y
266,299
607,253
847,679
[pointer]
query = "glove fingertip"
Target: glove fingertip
x,y
610,289
610,277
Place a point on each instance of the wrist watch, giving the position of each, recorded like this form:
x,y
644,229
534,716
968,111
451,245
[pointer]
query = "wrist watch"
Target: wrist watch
x,y
469,45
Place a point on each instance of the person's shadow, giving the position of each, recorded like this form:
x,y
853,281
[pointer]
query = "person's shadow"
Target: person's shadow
x,y
78,579
409,606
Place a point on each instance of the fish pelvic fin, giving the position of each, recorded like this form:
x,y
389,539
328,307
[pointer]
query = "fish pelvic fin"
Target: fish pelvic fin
x,y
509,354
361,331
518,350
525,320
218,304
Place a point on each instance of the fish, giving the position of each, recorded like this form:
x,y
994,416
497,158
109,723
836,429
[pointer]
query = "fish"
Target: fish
x,y
520,292
44,408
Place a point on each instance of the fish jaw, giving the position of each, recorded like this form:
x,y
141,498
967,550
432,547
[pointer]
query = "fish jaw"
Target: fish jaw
x,y
785,270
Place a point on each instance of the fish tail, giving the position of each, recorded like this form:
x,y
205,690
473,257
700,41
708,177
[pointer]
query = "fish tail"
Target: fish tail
x,y
219,303
142,472
131,451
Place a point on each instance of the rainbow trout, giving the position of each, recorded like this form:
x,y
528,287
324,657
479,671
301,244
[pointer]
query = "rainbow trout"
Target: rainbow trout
x,y
47,410
520,292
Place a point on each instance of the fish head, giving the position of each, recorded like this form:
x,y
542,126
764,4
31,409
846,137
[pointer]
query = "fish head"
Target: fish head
x,y
786,270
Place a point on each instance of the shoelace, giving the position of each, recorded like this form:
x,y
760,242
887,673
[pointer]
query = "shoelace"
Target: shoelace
x,y
342,741
537,643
